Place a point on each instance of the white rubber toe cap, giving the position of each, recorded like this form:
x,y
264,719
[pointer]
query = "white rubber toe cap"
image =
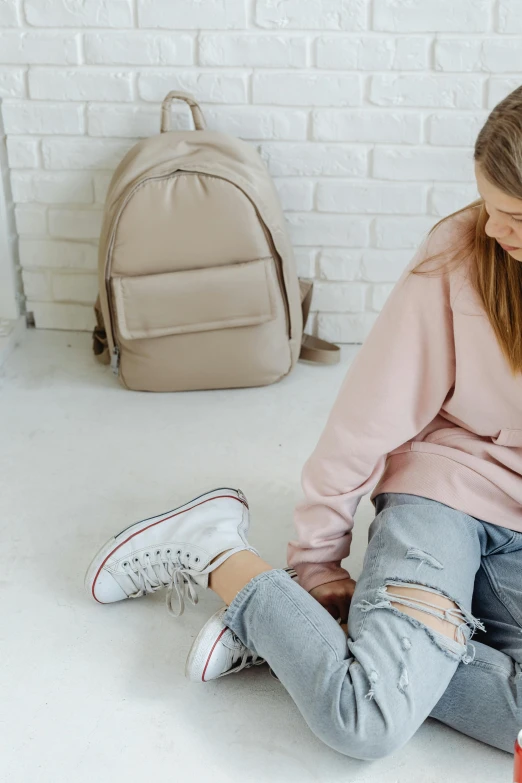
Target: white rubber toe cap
x,y
106,589
99,581
212,653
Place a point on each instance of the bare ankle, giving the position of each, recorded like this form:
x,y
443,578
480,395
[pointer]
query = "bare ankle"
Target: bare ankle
x,y
229,578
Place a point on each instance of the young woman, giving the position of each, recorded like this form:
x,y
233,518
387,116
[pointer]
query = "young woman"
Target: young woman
x,y
430,416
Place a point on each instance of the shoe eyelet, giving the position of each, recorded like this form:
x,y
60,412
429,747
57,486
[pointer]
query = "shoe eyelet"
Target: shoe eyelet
x,y
168,551
126,563
136,560
147,554
196,559
158,552
178,552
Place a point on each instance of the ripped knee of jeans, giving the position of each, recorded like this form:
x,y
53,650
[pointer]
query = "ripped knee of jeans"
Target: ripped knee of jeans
x,y
424,558
449,625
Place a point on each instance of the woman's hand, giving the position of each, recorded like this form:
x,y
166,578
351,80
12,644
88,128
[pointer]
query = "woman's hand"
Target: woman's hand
x,y
335,597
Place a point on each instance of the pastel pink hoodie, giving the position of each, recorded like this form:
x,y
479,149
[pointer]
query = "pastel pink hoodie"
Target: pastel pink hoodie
x,y
429,407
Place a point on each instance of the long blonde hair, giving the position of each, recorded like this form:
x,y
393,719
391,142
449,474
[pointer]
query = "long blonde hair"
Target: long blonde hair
x,y
495,275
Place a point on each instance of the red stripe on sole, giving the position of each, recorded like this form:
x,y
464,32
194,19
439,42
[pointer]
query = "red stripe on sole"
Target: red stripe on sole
x,y
229,497
210,654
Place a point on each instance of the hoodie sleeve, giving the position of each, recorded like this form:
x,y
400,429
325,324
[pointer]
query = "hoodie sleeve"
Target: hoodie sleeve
x,y
394,388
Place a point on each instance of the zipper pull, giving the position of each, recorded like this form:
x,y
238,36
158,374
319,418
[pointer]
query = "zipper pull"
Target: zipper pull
x,y
115,360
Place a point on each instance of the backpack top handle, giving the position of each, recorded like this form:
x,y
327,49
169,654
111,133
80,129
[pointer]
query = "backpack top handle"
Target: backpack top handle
x,y
197,114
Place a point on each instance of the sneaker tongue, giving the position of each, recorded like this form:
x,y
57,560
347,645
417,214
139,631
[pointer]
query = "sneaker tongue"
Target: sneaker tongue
x,y
162,575
238,656
238,649
231,641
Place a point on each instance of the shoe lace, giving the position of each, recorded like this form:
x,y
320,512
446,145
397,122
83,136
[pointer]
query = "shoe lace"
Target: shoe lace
x,y
168,571
244,660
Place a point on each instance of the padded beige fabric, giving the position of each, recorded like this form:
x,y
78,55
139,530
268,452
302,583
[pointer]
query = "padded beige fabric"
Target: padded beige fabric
x,y
193,221
198,286
199,300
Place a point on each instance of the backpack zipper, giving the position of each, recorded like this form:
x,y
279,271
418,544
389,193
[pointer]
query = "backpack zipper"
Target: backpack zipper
x,y
115,357
278,266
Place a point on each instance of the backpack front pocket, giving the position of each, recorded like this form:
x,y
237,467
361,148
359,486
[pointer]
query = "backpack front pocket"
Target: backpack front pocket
x,y
217,327
199,300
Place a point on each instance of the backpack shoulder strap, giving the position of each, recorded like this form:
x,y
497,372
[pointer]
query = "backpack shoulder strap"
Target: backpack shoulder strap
x,y
313,349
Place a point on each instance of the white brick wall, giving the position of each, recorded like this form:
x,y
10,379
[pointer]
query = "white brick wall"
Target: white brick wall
x,y
365,113
10,279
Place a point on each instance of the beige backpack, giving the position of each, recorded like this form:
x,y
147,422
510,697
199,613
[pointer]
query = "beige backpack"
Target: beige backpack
x,y
198,287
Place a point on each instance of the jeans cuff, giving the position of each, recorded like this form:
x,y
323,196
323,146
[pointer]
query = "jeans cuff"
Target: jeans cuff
x,y
237,604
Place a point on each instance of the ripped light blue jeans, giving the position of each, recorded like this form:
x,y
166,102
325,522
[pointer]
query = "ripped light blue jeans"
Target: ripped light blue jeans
x,y
365,696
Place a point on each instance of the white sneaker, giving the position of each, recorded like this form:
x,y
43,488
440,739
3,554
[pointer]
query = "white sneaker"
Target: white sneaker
x,y
173,550
217,651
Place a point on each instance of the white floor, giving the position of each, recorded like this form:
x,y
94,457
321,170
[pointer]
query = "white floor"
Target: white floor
x,y
98,693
